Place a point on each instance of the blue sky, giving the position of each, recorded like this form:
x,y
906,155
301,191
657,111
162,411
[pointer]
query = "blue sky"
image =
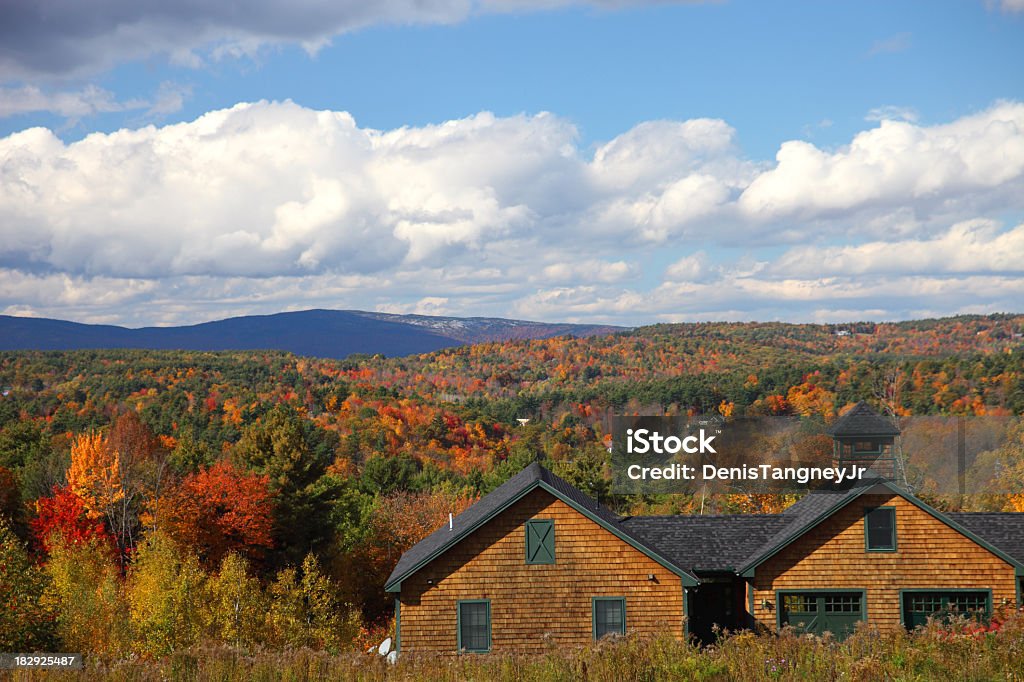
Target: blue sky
x,y
626,162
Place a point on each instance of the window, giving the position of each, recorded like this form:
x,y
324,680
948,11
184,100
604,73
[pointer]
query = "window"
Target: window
x,y
540,541
842,603
880,529
474,626
609,616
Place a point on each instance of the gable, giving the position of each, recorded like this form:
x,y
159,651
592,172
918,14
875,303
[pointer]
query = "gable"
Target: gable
x,y
818,519
507,494
581,546
926,546
817,508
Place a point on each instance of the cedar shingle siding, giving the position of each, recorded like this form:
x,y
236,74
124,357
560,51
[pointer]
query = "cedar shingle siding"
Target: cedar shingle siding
x,y
537,607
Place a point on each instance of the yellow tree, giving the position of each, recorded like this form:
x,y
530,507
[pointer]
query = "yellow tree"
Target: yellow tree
x,y
238,606
95,474
86,593
167,596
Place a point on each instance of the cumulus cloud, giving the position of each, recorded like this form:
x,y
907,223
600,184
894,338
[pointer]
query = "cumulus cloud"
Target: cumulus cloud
x,y
896,164
62,37
271,205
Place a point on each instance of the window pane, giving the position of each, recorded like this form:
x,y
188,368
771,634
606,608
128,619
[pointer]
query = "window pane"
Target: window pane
x,y
881,525
969,601
842,603
474,626
608,617
799,603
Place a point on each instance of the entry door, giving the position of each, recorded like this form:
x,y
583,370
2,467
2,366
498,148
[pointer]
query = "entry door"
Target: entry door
x,y
819,612
710,605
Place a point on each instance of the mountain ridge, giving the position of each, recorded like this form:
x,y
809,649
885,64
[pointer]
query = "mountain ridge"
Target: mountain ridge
x,y
316,332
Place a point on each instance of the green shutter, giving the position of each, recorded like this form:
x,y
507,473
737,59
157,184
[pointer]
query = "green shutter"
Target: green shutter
x,y
540,541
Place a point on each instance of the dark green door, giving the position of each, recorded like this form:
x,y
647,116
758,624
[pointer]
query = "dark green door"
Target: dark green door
x,y
918,607
819,612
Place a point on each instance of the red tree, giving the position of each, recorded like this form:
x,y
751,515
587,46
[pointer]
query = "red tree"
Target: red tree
x,y
220,510
64,514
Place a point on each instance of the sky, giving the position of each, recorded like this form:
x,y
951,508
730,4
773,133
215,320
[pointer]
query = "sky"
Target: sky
x,y
604,161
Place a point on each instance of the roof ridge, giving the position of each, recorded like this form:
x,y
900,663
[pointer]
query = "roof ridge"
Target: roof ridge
x,y
701,516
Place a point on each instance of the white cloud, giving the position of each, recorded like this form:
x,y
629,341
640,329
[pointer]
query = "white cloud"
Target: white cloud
x,y
1012,5
589,270
689,269
428,305
895,164
86,102
267,206
892,113
975,246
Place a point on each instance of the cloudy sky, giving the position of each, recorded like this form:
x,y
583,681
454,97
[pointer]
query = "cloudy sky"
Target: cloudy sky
x,y
622,161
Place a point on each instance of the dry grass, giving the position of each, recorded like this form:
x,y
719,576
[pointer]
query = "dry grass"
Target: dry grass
x,y
937,652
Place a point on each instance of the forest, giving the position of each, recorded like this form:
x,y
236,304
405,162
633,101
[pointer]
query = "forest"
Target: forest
x,y
153,501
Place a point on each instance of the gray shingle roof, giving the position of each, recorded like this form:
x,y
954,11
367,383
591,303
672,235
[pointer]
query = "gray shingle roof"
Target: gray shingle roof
x,y
1004,530
861,420
708,543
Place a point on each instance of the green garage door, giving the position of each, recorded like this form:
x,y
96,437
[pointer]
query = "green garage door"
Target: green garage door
x,y
919,606
819,612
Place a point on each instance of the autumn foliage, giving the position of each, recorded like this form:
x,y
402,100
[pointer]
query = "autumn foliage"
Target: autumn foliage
x,y
64,517
95,474
219,510
272,495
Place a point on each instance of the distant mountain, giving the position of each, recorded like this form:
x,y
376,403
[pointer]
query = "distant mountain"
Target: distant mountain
x,y
317,333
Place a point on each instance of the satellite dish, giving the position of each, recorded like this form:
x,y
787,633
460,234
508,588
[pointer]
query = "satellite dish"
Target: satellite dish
x,y
370,650
385,647
392,658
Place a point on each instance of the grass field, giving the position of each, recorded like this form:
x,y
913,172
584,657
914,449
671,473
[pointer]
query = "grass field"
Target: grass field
x,y
962,651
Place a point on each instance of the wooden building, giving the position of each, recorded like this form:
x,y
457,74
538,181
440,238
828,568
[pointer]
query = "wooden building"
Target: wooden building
x,y
536,565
